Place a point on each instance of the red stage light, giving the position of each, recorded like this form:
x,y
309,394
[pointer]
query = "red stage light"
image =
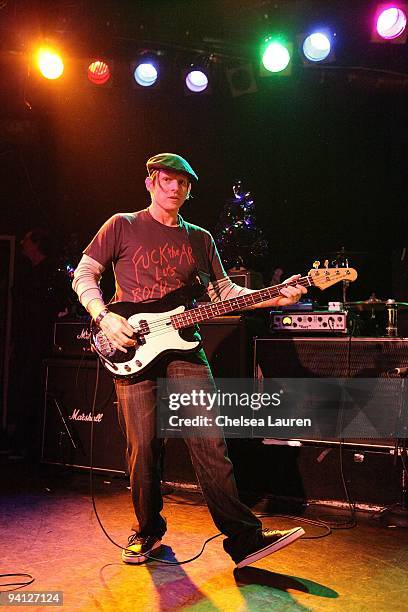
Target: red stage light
x,y
98,72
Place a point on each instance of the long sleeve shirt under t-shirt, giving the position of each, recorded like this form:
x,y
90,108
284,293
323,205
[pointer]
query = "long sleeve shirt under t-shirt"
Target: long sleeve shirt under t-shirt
x,y
149,260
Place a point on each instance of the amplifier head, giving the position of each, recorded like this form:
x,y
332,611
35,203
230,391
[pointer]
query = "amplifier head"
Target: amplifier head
x,y
326,322
72,339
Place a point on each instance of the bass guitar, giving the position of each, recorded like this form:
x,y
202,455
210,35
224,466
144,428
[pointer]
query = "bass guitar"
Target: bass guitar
x,y
157,324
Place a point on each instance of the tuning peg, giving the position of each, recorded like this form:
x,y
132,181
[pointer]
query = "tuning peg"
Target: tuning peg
x,y
316,264
326,263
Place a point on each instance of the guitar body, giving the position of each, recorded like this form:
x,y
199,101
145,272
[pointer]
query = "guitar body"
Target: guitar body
x,y
154,334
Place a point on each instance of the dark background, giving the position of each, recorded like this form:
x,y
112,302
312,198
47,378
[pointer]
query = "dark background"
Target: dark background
x,y
323,150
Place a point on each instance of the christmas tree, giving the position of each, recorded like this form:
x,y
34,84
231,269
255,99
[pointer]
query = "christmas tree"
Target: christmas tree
x,y
240,241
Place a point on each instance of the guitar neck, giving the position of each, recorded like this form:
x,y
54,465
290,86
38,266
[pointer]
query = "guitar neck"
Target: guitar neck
x,y
208,311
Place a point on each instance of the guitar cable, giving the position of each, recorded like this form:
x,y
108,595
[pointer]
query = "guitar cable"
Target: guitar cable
x,y
328,528
17,585
349,521
91,485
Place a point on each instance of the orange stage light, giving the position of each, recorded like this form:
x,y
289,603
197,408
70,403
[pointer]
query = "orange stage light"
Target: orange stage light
x,y
49,63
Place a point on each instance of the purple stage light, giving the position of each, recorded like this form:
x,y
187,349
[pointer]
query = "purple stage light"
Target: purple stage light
x,y
197,81
391,23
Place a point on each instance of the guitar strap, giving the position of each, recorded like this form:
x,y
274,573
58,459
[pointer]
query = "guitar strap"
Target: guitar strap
x,y
197,243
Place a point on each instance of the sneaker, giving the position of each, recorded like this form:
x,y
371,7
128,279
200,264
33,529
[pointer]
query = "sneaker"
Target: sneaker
x,y
270,543
138,547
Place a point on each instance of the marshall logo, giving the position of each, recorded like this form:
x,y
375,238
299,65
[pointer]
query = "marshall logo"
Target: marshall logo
x,y
81,416
85,334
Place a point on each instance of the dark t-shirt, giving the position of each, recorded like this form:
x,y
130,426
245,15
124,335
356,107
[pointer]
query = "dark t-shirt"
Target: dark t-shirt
x,y
151,259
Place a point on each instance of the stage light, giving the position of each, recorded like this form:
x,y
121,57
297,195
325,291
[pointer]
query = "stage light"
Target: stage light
x,y
316,47
276,55
146,74
99,72
49,63
196,81
391,22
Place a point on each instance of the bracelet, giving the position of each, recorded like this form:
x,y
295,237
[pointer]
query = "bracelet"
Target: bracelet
x,y
101,316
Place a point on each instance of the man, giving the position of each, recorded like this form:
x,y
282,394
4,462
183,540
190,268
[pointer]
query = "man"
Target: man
x,y
37,299
154,251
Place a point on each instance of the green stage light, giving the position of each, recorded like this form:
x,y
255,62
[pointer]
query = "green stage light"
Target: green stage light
x,y
276,55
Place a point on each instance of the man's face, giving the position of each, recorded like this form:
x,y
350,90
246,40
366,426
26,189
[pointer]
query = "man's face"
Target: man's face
x,y
28,247
168,189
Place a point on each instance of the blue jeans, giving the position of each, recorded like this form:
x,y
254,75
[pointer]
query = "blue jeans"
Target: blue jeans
x,y
137,413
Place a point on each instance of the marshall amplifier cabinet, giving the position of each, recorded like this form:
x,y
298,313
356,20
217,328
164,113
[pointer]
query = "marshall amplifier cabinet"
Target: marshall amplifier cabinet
x,y
69,391
72,339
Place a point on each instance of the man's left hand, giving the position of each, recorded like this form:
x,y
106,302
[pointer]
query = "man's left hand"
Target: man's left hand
x,y
290,294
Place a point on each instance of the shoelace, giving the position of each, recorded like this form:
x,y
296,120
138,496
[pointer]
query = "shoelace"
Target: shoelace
x,y
135,538
274,531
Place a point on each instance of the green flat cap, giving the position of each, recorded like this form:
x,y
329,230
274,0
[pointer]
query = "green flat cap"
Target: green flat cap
x,y
170,161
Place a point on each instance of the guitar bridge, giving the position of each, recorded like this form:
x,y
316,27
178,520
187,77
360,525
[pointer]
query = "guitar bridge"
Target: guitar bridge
x,y
139,338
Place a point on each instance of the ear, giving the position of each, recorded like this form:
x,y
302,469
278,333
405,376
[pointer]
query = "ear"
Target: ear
x,y
148,183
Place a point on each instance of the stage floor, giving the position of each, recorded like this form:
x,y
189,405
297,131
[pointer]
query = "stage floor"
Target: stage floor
x,y
49,530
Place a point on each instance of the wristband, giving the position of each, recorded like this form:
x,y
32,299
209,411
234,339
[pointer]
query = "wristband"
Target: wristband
x,y
101,316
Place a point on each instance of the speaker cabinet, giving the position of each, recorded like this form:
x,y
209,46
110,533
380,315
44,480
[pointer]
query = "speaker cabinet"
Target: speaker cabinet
x,y
331,357
312,472
69,389
334,357
69,392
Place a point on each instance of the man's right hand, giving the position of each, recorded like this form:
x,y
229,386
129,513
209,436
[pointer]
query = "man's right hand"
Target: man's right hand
x,y
118,331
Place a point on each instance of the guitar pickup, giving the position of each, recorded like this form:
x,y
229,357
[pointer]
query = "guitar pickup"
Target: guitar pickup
x,y
142,331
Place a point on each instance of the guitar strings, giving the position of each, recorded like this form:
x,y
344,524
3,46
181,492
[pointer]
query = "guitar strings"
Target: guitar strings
x,y
163,322
306,281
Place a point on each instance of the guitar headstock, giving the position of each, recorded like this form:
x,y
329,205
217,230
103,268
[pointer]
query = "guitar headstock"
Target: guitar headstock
x,y
326,277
